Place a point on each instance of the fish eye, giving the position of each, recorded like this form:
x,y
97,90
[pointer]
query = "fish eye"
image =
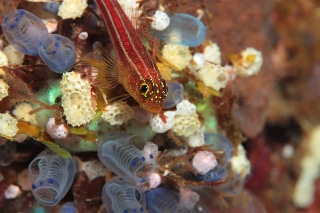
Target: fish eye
x,y
145,88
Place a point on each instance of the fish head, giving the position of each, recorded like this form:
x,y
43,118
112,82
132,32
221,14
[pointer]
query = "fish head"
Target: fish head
x,y
150,94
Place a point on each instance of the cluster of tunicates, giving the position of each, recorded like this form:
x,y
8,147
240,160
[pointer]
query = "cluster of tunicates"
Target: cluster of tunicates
x,y
124,193
27,33
117,151
134,167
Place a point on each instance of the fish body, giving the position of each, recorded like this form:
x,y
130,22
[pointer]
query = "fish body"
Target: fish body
x,y
135,68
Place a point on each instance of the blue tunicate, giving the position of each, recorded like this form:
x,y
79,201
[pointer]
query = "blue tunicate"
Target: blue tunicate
x,y
175,94
117,152
52,7
119,196
58,52
220,172
51,177
24,31
7,150
220,142
183,29
68,207
162,200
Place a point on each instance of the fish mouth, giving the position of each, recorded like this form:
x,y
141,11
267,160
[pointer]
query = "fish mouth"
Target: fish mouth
x,y
153,108
155,111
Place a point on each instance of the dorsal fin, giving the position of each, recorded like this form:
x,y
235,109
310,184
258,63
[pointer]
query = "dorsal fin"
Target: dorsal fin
x,y
134,17
100,68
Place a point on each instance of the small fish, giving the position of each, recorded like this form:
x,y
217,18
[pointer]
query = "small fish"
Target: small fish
x,y
134,66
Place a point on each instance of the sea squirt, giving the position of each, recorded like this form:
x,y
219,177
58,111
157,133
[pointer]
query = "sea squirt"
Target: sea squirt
x,y
184,29
121,196
24,31
117,152
58,52
51,177
175,94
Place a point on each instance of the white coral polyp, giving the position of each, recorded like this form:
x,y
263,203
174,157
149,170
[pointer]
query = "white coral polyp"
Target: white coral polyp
x,y
14,56
213,76
58,131
154,180
118,113
185,107
4,87
250,63
186,125
4,61
1,71
12,192
160,20
204,161
159,125
72,8
22,112
150,149
177,55
196,139
212,53
93,169
79,107
198,61
8,125
240,163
